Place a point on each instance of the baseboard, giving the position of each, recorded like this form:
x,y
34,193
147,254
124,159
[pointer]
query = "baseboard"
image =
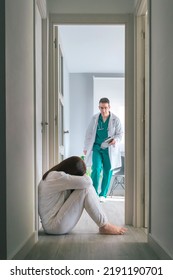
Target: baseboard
x,y
163,255
21,254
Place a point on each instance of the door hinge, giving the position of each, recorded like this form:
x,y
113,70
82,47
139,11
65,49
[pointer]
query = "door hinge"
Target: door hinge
x,y
143,34
56,120
55,43
143,82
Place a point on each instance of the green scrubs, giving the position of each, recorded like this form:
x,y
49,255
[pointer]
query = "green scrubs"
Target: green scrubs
x,y
100,159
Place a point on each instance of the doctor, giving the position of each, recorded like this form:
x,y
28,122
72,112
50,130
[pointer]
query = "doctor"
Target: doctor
x,y
104,124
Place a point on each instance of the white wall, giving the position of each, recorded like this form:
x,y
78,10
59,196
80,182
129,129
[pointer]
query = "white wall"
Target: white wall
x,y
161,220
19,123
81,110
91,6
136,2
2,134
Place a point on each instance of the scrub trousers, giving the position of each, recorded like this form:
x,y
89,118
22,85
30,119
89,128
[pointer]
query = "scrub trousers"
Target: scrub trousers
x,y
101,161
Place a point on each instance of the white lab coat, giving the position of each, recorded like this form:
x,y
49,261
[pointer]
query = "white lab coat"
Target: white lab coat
x,y
115,130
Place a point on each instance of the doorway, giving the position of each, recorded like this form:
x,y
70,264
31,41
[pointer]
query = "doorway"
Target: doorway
x,y
95,60
128,22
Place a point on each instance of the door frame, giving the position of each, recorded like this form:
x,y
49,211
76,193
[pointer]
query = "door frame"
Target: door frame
x,y
42,9
142,117
102,19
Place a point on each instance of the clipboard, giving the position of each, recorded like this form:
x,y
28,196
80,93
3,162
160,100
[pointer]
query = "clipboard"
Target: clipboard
x,y
106,142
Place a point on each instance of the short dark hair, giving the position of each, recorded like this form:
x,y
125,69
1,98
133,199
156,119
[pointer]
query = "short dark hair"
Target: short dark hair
x,y
73,165
104,100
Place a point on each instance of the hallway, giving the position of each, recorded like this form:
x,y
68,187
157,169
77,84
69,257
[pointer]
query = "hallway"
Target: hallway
x,y
84,242
18,138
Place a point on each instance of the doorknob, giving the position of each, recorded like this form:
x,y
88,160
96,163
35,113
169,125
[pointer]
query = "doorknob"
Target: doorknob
x,y
43,126
66,131
44,123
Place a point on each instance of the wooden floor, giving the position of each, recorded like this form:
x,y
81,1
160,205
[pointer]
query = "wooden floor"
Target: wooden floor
x,y
85,243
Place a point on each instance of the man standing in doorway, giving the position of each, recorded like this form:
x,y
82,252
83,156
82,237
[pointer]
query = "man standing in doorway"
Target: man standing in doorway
x,y
101,154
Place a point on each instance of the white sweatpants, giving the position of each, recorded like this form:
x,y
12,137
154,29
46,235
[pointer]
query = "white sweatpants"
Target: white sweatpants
x,y
72,209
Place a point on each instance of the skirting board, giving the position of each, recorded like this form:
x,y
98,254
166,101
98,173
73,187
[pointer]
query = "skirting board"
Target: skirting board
x,y
158,249
21,254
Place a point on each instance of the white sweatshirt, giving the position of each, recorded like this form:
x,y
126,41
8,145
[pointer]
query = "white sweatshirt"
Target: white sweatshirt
x,y
53,192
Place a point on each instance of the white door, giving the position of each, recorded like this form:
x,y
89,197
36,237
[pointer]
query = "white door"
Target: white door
x,y
58,98
60,106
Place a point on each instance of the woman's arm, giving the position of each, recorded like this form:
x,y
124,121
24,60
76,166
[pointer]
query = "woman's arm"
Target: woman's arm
x,y
65,181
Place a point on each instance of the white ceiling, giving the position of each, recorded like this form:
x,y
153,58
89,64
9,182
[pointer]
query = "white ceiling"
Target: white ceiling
x,y
93,48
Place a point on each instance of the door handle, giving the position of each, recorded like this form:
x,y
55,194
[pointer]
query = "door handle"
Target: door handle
x,y
66,131
44,123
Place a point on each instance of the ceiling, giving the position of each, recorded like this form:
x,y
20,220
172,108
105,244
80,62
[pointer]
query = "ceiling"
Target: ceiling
x,y
93,48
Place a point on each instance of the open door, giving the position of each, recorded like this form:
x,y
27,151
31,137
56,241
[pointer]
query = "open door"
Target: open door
x,y
58,98
60,106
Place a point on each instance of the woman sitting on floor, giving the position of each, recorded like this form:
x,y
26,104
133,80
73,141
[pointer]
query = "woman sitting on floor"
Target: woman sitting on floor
x,y
64,192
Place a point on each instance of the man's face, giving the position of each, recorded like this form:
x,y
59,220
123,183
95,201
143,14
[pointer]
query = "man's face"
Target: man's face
x,y
104,109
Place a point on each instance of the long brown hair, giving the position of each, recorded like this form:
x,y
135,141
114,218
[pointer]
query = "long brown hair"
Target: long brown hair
x,y
73,165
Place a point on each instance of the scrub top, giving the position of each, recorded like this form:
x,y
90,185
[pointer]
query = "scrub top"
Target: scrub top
x,y
102,130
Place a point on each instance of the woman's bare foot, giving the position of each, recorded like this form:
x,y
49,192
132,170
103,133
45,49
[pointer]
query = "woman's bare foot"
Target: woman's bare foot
x,y
111,229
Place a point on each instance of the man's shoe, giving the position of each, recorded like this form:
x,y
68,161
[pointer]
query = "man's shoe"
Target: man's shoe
x,y
102,198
